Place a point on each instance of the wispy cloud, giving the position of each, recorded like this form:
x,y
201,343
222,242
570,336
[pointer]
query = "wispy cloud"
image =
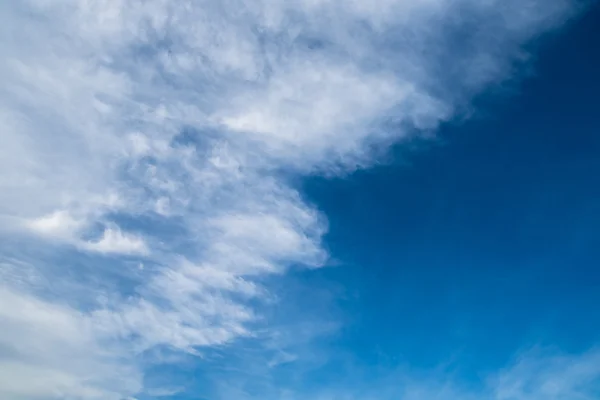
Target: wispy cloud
x,y
162,133
115,241
532,375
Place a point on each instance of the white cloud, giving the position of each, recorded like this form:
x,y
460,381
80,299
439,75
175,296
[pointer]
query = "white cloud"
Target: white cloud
x,y
533,375
115,241
61,226
165,392
52,351
176,119
58,224
300,114
536,375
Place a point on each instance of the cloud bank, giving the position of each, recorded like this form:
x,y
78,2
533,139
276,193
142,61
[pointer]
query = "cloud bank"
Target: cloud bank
x,y
147,148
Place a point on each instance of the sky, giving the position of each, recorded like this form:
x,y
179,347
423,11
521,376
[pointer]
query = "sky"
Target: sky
x,y
301,199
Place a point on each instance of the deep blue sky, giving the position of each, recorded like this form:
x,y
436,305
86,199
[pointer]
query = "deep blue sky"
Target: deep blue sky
x,y
487,241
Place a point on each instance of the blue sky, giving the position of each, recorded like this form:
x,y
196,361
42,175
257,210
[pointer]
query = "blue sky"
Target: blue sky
x,y
308,199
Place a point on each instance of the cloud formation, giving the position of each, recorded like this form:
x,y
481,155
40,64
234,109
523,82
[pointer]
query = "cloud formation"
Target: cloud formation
x,y
156,138
533,375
